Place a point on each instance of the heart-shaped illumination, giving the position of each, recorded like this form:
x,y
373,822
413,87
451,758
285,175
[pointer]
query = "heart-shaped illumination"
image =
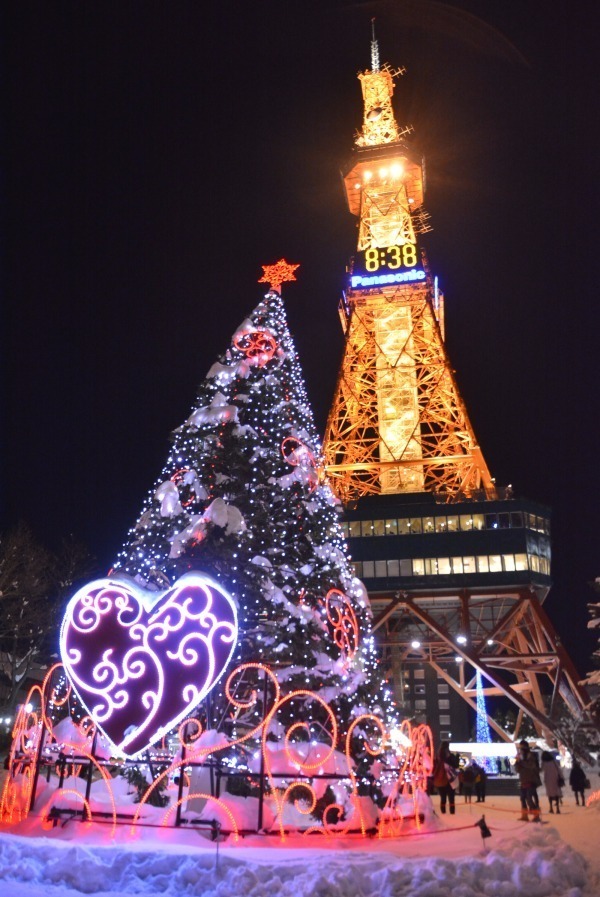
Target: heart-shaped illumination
x,y
140,661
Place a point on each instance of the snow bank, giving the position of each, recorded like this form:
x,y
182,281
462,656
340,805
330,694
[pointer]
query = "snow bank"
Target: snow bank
x,y
539,865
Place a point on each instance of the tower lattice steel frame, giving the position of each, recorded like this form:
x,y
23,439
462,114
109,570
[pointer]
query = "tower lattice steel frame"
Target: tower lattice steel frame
x,y
398,425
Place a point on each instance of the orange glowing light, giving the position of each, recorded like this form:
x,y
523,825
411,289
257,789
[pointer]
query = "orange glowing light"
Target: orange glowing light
x,y
86,803
199,754
275,275
259,346
178,480
410,769
215,800
343,622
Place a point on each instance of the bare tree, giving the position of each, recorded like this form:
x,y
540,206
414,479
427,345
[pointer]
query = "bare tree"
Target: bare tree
x,y
593,678
34,584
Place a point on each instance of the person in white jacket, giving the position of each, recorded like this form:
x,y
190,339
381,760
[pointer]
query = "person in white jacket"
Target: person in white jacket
x,y
553,780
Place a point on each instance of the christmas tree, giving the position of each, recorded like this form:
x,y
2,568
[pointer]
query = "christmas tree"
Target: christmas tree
x,y
242,498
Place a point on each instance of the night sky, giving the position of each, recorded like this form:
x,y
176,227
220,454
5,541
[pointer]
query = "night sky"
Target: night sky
x,y
155,155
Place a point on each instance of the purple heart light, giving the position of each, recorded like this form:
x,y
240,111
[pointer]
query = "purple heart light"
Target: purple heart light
x,y
140,661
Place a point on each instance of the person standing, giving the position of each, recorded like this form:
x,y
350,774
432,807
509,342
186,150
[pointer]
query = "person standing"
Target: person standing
x,y
480,780
553,780
578,782
445,776
467,781
528,771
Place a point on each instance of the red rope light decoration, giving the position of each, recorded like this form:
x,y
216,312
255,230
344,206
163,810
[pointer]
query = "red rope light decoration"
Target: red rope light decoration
x,y
297,454
343,623
177,480
303,765
215,800
407,777
202,753
259,346
280,272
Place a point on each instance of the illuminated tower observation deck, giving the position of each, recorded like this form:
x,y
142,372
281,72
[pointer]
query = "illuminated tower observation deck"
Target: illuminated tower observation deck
x,y
397,423
456,569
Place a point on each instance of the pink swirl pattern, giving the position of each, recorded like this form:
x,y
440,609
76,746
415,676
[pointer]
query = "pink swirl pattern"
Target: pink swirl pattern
x,y
141,661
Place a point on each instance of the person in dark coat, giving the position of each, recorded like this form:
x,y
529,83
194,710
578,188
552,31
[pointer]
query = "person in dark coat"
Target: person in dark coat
x,y
480,781
578,781
528,771
467,781
445,776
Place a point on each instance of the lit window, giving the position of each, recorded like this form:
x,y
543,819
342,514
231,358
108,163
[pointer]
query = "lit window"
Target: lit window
x,y
354,528
466,522
404,526
444,568
441,524
457,565
483,565
366,527
452,524
428,525
469,565
415,525
391,527
521,562
418,567
380,569
393,568
509,562
418,674
345,530
379,527
495,563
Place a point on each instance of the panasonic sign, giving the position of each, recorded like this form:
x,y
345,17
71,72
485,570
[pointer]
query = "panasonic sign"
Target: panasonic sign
x,y
361,280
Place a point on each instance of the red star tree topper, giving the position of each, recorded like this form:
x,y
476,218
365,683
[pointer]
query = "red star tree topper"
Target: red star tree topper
x,y
277,274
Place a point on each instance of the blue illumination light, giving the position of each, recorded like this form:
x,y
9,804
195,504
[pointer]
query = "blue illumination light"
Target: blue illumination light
x,y
483,735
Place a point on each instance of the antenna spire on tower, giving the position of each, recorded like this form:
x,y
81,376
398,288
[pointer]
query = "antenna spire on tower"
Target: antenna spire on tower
x,y
374,48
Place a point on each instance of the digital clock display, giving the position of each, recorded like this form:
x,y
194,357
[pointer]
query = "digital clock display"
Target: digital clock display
x,y
389,258
382,265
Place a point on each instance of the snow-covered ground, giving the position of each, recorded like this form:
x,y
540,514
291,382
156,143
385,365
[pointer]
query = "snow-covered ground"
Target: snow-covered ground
x,y
558,859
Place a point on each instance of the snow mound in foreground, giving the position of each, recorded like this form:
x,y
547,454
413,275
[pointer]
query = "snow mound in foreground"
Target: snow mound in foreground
x,y
538,865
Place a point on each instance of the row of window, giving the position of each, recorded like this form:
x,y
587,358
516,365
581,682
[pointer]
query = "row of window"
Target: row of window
x,y
420,704
493,563
443,688
445,523
419,673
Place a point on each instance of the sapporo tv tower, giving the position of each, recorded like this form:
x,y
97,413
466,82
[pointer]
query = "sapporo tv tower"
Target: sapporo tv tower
x,y
457,568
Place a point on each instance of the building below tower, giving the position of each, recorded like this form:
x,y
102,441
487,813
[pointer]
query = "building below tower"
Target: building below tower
x,y
467,566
